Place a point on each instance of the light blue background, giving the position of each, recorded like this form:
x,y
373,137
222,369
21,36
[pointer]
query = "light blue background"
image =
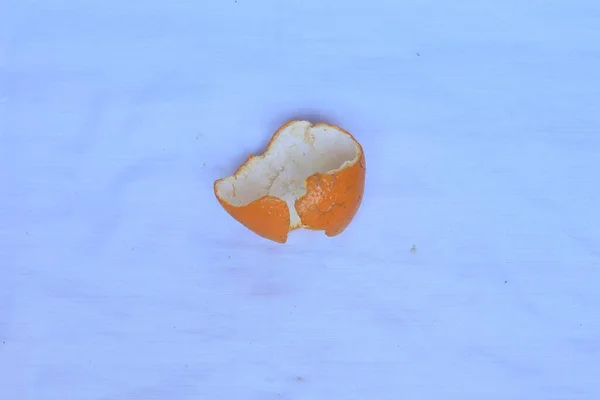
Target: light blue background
x,y
121,277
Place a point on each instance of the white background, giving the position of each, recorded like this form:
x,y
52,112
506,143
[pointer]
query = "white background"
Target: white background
x,y
122,278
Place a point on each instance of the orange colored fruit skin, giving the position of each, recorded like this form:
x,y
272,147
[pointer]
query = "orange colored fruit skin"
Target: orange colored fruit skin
x,y
268,217
330,203
332,200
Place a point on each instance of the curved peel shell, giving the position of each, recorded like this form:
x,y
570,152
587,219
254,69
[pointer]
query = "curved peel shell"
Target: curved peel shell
x,y
325,200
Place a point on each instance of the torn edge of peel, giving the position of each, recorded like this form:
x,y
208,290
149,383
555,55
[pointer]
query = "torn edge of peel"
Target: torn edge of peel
x,y
246,164
348,163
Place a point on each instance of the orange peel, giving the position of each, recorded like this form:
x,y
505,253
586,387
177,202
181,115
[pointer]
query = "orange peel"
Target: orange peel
x,y
310,176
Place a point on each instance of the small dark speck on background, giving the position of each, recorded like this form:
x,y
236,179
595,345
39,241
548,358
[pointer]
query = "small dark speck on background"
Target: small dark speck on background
x,y
505,281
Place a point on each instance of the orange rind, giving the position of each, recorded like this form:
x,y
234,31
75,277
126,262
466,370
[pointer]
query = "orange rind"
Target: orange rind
x,y
310,176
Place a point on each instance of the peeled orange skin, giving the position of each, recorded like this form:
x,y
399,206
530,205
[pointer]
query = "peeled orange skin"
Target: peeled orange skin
x,y
332,200
327,199
268,217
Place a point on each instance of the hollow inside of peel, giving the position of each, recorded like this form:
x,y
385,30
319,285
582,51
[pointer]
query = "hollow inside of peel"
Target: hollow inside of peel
x,y
298,151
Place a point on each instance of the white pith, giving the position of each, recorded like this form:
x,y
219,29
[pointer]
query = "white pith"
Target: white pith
x,y
299,151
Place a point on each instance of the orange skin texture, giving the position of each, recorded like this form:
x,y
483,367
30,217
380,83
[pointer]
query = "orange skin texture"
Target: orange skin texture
x,y
330,203
268,217
332,200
